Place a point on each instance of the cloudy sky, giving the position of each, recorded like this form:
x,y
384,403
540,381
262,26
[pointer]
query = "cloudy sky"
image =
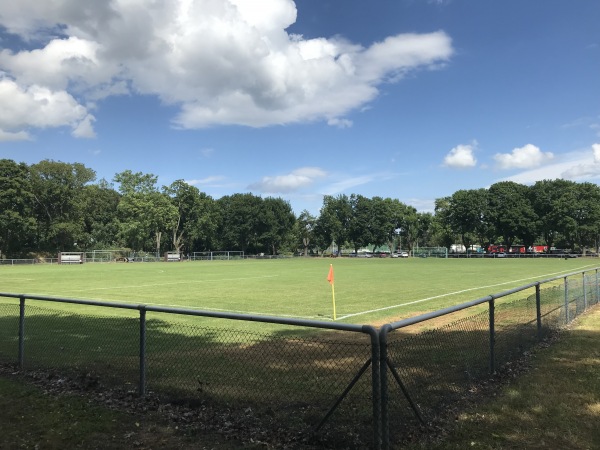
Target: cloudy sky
x,y
409,99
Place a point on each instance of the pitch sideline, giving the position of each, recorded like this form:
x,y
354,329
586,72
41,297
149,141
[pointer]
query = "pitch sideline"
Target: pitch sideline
x,y
456,292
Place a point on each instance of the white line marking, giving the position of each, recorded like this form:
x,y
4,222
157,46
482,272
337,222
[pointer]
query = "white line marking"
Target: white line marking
x,y
457,292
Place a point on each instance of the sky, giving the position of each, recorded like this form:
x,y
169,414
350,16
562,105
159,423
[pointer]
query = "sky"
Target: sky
x,y
408,99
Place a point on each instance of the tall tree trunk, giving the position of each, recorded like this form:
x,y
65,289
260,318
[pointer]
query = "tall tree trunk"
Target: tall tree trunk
x,y
158,235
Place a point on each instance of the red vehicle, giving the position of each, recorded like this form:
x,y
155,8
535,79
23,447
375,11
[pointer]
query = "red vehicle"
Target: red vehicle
x,y
517,249
538,249
496,249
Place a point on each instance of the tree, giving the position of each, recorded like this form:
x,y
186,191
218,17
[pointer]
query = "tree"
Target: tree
x,y
57,189
551,202
277,221
466,214
444,235
197,221
99,206
305,225
240,218
586,213
145,212
410,227
425,223
360,225
510,211
17,224
396,212
333,224
382,222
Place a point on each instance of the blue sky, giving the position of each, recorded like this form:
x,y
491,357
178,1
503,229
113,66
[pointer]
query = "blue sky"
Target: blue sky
x,y
409,99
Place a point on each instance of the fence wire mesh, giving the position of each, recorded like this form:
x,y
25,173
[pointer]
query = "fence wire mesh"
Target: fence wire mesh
x,y
97,347
293,377
288,381
436,366
9,332
449,362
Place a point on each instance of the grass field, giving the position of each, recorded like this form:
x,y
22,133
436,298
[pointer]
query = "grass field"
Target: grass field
x,y
271,367
366,290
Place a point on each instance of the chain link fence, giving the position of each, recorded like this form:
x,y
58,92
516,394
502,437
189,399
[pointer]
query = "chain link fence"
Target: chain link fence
x,y
338,385
445,360
288,381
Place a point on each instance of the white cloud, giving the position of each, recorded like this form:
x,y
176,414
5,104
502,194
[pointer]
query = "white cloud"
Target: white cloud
x,y
340,123
85,129
596,150
6,136
592,123
297,179
219,61
421,204
39,107
348,183
461,156
526,157
213,181
575,166
589,169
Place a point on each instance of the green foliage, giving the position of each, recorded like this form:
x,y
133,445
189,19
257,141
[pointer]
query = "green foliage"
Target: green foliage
x,y
54,206
57,191
17,223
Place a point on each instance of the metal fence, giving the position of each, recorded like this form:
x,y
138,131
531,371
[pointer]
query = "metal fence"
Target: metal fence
x,y
345,386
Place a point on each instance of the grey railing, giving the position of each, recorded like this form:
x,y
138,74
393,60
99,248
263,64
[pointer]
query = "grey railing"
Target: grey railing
x,y
423,372
56,333
350,377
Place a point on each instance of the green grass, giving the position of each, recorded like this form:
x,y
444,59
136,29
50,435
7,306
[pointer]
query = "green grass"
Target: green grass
x,y
33,418
366,290
210,359
555,405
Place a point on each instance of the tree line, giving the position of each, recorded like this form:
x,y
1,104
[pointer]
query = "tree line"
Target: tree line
x,y
55,206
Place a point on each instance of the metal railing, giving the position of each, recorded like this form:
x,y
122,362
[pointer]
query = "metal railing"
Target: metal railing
x,y
368,385
428,368
147,347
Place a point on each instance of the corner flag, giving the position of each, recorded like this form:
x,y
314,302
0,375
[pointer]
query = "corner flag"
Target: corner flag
x,y
330,279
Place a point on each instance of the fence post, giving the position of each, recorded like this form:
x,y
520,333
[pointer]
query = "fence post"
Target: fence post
x,y
585,303
538,308
21,332
566,300
597,288
383,386
142,387
492,336
376,386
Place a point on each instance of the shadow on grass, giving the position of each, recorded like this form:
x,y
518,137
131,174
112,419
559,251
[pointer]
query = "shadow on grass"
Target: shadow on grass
x,y
554,405
286,382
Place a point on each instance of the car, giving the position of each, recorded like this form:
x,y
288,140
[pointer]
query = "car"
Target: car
x,y
400,254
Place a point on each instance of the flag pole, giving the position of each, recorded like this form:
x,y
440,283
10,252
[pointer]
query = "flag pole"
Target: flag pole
x,y
330,279
333,299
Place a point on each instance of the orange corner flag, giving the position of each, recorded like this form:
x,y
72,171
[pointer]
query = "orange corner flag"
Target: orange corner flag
x,y
330,279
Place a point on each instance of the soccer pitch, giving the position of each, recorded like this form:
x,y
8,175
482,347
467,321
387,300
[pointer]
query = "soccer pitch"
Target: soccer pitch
x,y
366,290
